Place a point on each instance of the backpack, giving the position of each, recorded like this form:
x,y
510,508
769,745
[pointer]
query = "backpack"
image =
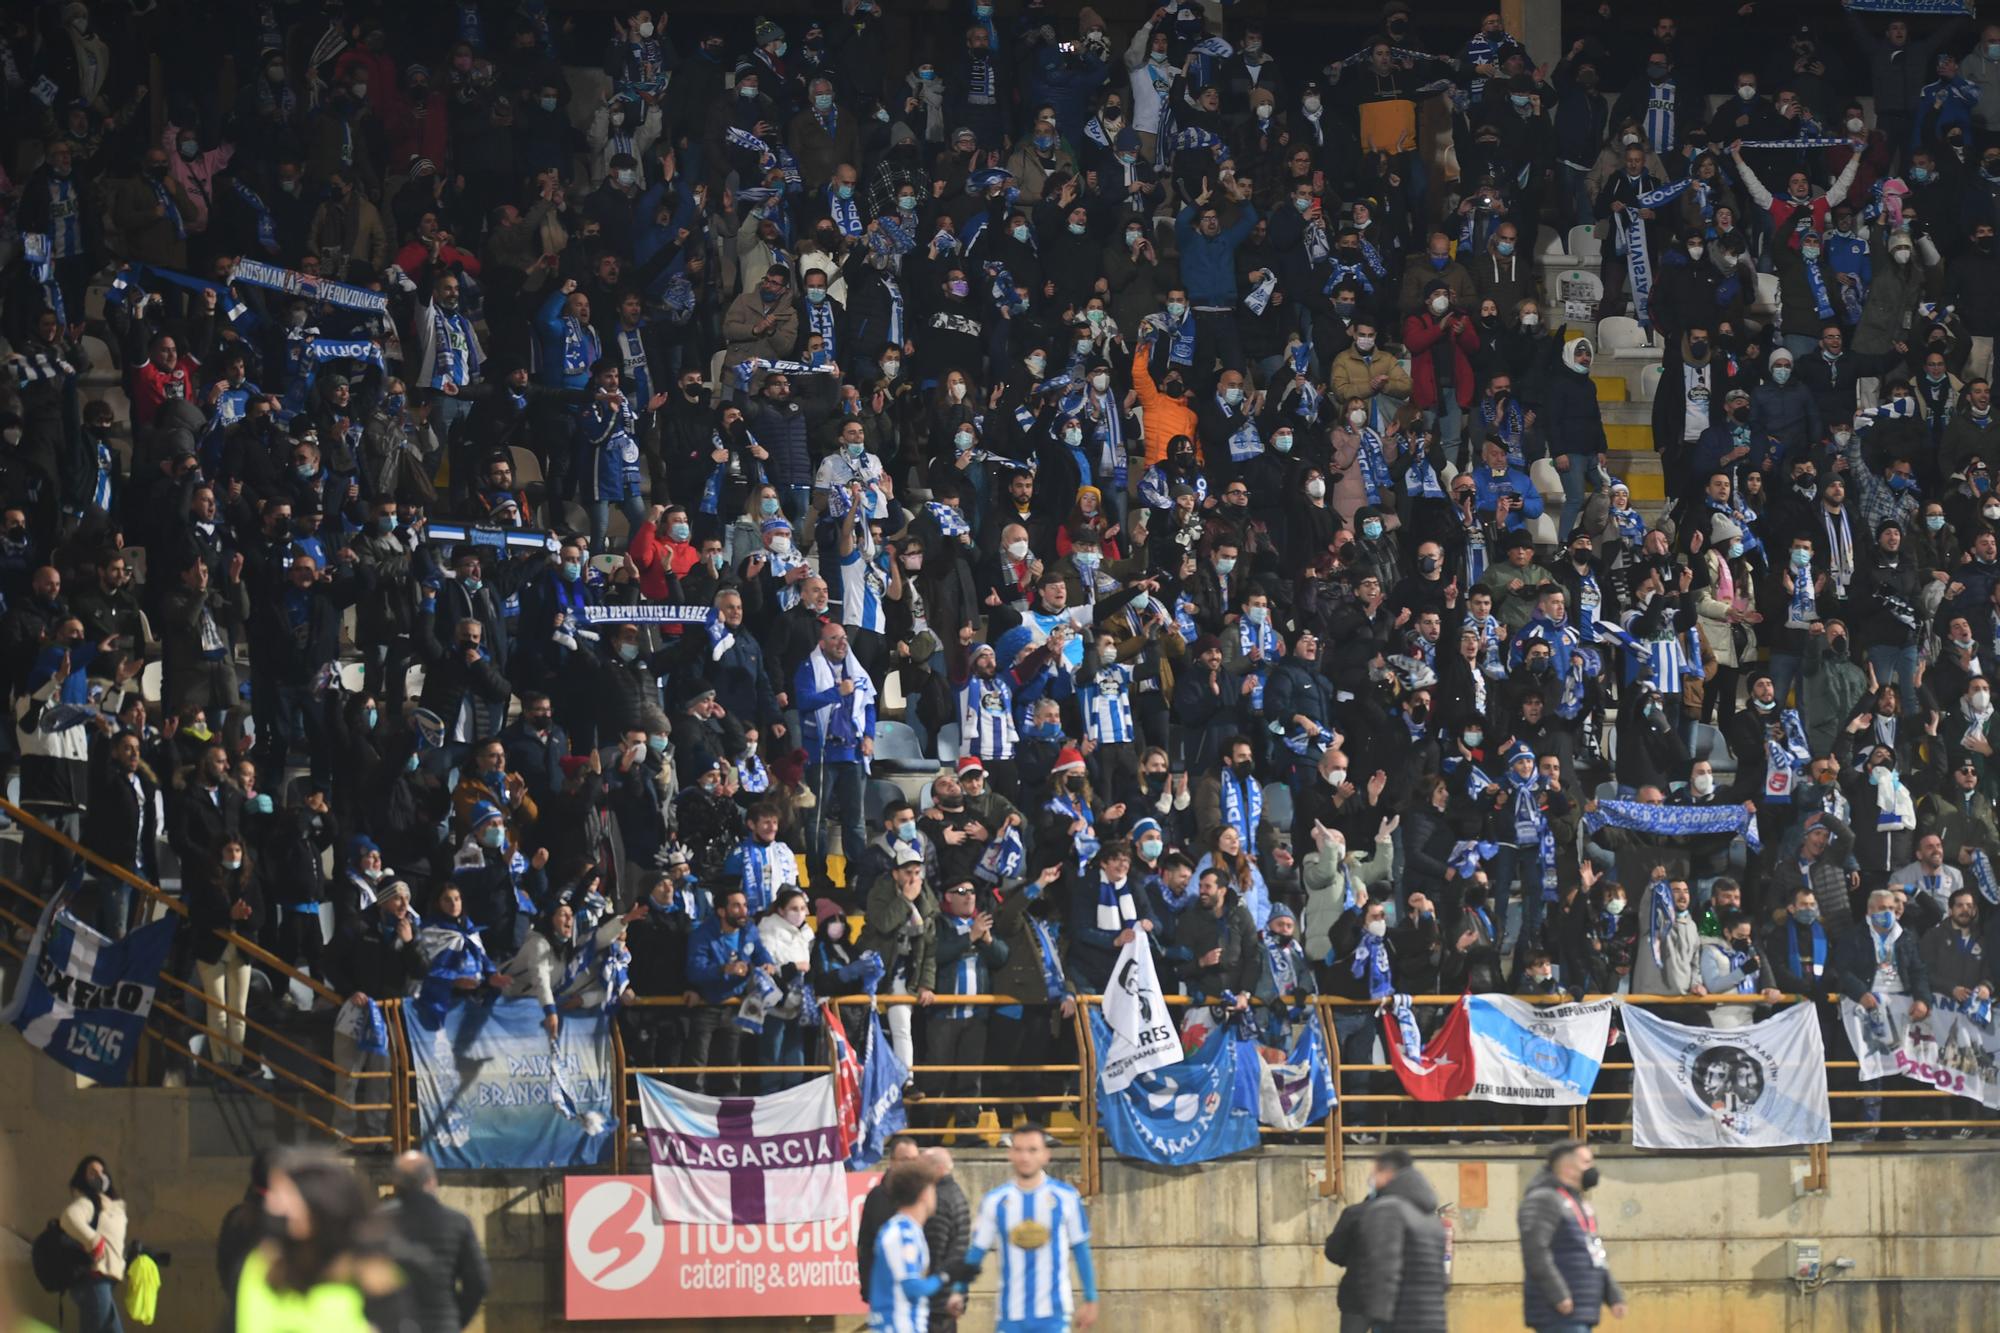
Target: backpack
x,y
58,1261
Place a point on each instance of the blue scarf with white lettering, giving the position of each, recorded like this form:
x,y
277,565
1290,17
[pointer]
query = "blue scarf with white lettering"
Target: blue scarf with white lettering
x,y
1531,828
1371,960
1674,821
165,199
846,214
1660,910
1818,949
1242,807
1374,468
267,227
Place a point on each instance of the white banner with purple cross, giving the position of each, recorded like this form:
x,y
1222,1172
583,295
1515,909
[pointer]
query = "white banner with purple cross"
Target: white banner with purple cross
x,y
744,1161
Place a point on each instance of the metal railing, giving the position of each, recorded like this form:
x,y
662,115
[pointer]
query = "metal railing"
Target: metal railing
x,y
1361,1088
178,1040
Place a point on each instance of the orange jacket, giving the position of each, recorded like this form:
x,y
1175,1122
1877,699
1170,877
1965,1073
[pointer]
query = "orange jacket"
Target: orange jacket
x,y
1165,417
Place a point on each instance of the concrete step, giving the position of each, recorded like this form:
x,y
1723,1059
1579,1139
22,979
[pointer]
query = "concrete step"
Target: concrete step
x,y
1629,438
1610,389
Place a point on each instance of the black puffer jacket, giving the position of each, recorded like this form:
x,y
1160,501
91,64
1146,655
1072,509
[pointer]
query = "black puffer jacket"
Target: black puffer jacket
x,y
1392,1247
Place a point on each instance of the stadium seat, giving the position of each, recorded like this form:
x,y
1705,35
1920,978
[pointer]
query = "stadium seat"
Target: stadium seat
x,y
1547,480
1583,245
1278,810
1543,529
1649,382
1620,335
898,750
152,680
947,743
1767,291
353,677
1554,245
874,801
527,467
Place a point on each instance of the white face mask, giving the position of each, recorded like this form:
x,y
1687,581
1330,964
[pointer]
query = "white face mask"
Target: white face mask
x,y
1316,488
1357,416
1310,102
1703,783
1364,345
1336,776
1017,550
1440,304
958,393
1529,319
1100,382
1378,928
1979,699
781,546
1615,906
1855,125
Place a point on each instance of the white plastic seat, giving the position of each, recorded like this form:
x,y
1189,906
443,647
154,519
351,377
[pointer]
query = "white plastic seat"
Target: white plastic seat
x,y
527,467
947,743
1619,335
1649,382
1767,291
1583,243
1542,528
1547,480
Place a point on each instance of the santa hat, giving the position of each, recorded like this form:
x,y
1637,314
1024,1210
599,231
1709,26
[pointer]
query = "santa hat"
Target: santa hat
x,y
1067,759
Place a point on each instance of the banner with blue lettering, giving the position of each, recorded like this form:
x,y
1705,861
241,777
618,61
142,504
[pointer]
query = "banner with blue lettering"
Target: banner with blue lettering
x,y
1203,1108
89,995
492,1091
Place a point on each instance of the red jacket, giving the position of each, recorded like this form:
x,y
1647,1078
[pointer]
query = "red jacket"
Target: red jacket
x,y
152,387
1421,333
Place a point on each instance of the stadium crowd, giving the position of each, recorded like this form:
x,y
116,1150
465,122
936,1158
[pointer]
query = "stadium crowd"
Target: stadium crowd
x,y
1131,436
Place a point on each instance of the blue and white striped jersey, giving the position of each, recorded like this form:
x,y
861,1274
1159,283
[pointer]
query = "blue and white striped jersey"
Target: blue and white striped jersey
x,y
1031,1233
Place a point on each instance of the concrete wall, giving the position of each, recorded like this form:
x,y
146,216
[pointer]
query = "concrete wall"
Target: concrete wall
x,y
1699,1242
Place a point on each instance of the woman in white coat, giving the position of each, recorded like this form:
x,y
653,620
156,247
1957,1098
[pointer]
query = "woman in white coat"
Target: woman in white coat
x,y
95,1220
789,940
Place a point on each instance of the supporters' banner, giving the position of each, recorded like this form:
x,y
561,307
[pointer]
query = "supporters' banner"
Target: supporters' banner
x,y
1675,821
744,1161
1298,1090
649,613
493,1091
1534,1054
1438,1070
260,274
1196,1111
1761,1086
479,535
1909,6
1142,1036
86,1002
622,1261
1947,1049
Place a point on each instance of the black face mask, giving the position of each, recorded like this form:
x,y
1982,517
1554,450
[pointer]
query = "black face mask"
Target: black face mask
x,y
1590,1178
1698,347
1244,768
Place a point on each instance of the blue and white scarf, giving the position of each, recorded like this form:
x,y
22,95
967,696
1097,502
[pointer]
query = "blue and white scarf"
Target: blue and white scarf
x,y
1374,467
846,214
1638,264
1371,961
1117,906
1822,306
164,197
1660,913
819,319
1259,298
1786,758
1309,393
1531,828
1242,808
1674,821
267,227
1468,855
1631,525
1086,842
950,522
1407,1029
1983,878
1002,859
1422,479
1510,433
1818,949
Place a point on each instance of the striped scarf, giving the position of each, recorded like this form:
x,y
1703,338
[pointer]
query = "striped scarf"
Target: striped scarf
x,y
164,197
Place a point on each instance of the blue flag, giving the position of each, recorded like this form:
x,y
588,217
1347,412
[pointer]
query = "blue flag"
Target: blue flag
x,y
882,1080
1196,1111
492,1090
88,998
1300,1091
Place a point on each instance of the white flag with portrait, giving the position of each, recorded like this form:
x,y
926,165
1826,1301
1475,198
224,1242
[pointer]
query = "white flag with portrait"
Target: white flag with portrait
x,y
1142,1035
1761,1086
